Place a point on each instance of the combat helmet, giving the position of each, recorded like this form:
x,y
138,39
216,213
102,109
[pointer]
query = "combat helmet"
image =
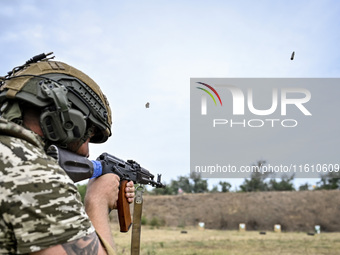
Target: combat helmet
x,y
71,103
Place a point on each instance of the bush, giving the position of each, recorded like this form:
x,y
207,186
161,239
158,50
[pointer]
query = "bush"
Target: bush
x,y
143,221
154,222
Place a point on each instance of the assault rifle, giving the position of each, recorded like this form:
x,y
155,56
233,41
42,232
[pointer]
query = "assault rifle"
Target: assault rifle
x,y
80,168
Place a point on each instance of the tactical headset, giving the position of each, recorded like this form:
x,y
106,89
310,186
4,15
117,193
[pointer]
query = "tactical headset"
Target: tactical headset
x,y
60,123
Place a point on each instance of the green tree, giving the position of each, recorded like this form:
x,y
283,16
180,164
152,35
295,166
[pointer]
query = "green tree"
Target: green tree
x,y
257,179
214,189
304,186
225,186
199,185
286,183
330,180
184,184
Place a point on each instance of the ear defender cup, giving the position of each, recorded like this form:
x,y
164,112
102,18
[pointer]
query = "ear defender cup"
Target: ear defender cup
x,y
58,130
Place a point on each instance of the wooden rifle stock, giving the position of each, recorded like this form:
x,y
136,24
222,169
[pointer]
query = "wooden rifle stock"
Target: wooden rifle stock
x,y
123,208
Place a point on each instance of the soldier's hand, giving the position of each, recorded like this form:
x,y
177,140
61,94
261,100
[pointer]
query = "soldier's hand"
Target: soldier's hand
x,y
102,191
130,191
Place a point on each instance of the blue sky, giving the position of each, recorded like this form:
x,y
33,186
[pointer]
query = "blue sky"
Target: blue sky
x,y
147,51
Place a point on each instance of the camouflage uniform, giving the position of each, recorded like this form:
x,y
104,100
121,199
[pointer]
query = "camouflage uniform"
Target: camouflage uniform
x,y
39,204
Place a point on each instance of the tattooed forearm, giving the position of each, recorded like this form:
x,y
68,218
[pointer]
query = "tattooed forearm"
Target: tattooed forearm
x,y
86,245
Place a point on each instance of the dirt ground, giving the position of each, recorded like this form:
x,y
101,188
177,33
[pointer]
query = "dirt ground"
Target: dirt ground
x,y
194,241
293,210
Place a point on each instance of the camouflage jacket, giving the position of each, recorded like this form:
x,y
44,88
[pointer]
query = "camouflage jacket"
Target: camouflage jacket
x,y
39,204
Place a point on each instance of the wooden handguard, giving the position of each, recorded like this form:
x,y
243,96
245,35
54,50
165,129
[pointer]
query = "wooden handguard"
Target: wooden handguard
x,y
124,215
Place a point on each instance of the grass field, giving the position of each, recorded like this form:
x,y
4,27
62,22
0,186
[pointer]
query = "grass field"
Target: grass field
x,y
171,241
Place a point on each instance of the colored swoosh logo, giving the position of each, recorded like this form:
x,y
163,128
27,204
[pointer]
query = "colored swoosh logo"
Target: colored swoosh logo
x,y
212,89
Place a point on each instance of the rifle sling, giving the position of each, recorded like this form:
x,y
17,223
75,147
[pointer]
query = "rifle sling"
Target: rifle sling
x,y
136,225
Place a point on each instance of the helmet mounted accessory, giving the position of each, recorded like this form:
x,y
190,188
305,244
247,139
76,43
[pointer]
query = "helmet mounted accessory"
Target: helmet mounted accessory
x,y
72,104
59,122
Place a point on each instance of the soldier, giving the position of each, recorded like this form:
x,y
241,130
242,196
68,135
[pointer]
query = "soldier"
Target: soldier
x,y
45,102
